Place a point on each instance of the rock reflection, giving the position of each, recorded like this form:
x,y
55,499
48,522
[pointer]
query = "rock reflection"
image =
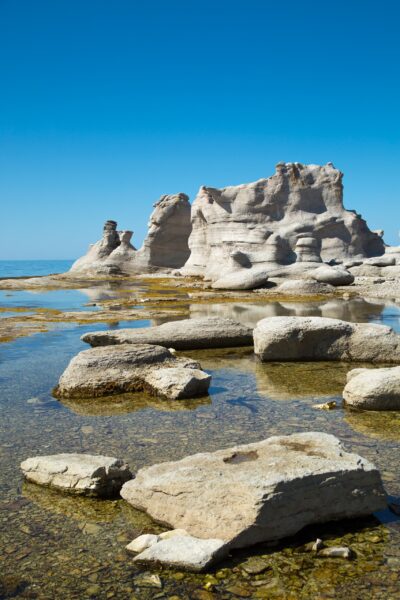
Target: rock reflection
x,y
248,313
109,406
375,424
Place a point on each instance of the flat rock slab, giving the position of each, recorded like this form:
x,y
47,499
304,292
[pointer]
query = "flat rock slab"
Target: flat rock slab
x,y
188,334
259,492
320,338
84,474
373,389
185,552
108,370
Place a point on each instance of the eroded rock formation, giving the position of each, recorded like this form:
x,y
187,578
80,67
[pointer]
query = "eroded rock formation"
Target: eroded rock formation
x,y
165,246
286,224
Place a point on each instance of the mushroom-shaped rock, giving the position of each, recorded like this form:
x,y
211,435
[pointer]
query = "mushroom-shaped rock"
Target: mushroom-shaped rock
x,y
83,474
373,389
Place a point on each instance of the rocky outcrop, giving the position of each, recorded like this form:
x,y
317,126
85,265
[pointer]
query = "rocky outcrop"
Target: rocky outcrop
x,y
258,492
187,334
165,246
295,216
373,389
124,368
82,474
319,338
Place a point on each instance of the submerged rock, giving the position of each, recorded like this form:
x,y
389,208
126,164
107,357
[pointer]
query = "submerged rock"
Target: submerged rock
x,y
185,552
373,389
108,370
85,474
259,492
187,334
321,338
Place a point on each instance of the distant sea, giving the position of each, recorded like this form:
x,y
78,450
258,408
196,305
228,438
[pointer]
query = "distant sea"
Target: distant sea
x,y
30,268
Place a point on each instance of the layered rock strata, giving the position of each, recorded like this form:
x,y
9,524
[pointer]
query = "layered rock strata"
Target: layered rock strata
x,y
373,389
258,492
321,338
294,217
125,368
165,246
187,334
82,474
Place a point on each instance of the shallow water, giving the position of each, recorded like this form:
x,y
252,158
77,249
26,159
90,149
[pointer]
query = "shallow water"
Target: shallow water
x,y
54,546
32,268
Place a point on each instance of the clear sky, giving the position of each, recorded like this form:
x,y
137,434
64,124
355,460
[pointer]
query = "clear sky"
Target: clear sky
x,y
106,105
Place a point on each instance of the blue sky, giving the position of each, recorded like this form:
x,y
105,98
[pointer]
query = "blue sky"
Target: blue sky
x,y
106,105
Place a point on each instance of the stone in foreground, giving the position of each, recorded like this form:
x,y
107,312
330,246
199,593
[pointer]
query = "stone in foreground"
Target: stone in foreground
x,y
185,552
83,474
176,383
373,389
321,338
259,492
128,368
188,334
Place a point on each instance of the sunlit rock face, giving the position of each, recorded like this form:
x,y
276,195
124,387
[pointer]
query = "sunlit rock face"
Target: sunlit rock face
x,y
165,246
295,216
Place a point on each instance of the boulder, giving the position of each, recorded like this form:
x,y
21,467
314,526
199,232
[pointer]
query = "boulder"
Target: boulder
x,y
373,389
332,275
176,383
188,334
184,552
243,279
321,338
108,370
297,214
258,492
381,261
84,474
142,542
304,286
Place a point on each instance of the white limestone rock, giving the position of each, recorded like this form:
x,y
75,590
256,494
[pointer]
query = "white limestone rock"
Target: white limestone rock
x,y
184,552
187,334
373,389
165,246
243,279
332,275
321,338
142,542
108,370
295,215
258,492
82,474
176,383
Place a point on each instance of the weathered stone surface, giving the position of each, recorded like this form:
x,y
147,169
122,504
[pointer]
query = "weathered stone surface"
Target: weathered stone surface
x,y
320,338
244,279
295,215
124,368
179,382
259,492
185,552
373,389
85,474
332,275
142,542
304,286
165,246
188,334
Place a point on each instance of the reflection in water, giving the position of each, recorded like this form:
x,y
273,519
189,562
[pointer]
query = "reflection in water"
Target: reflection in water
x,y
357,310
127,403
375,424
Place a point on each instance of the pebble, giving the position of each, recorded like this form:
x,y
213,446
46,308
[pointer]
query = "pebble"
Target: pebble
x,y
255,565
